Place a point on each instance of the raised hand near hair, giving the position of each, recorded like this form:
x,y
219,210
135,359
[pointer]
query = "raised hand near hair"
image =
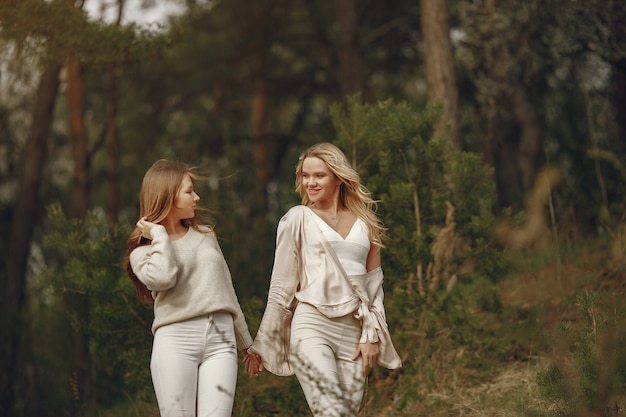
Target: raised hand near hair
x,y
145,226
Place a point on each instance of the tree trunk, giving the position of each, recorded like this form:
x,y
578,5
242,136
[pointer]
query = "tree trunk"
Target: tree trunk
x,y
619,102
78,138
112,147
504,147
259,106
22,227
439,64
526,152
618,80
351,70
259,115
112,139
80,207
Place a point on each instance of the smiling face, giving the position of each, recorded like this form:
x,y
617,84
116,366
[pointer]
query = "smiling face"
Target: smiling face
x,y
185,202
320,183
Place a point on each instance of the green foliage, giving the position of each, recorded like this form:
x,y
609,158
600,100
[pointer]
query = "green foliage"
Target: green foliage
x,y
588,373
415,176
564,59
109,330
436,317
269,395
187,94
56,30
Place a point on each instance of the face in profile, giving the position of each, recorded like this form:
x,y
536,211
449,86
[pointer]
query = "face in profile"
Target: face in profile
x,y
185,202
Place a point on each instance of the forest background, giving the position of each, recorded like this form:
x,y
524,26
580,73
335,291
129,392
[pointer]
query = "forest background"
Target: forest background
x,y
493,132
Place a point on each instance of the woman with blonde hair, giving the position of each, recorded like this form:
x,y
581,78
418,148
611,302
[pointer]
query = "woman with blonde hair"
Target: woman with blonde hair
x,y
325,319
176,263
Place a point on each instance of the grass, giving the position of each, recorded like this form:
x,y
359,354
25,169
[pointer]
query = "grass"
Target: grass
x,y
559,313
544,341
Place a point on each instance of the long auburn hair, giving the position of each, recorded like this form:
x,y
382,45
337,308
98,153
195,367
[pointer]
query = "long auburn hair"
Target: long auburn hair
x,y
159,188
352,194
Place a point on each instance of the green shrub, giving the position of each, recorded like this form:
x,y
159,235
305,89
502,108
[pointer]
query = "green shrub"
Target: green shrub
x,y
588,371
105,327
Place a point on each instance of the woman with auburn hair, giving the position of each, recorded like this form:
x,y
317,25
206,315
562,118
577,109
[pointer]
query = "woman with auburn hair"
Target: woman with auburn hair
x,y
325,319
176,263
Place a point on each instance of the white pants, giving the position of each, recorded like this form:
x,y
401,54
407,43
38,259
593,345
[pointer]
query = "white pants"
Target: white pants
x,y
194,367
321,353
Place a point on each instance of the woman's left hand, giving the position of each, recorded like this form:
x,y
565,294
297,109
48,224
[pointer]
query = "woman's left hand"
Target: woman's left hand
x,y
145,227
369,352
253,363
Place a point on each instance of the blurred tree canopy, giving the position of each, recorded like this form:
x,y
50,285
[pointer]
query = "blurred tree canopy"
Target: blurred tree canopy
x,y
239,89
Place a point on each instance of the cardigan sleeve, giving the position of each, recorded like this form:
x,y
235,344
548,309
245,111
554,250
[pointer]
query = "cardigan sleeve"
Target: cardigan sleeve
x,y
388,357
371,313
370,325
272,339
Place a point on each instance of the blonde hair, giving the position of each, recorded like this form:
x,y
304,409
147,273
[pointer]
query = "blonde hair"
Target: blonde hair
x,y
160,185
352,194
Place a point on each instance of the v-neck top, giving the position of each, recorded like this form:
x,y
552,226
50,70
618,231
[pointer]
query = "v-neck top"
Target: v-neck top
x,y
307,269
351,251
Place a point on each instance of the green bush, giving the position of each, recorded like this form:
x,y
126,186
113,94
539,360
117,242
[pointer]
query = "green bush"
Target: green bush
x,y
441,261
423,184
105,327
588,371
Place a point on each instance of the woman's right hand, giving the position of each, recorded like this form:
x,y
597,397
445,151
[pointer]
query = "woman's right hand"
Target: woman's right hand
x,y
253,363
145,226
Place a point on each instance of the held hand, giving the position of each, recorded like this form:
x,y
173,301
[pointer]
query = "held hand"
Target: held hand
x,y
369,352
145,226
253,363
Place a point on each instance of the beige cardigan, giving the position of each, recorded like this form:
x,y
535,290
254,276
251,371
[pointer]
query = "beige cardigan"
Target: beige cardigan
x,y
306,269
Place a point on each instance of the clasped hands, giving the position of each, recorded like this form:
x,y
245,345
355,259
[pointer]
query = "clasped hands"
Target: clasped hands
x,y
253,363
369,352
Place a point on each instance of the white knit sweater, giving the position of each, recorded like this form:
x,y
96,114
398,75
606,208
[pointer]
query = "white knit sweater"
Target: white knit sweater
x,y
188,278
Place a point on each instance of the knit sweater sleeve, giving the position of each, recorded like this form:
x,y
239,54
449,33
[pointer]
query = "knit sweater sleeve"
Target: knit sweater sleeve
x,y
155,264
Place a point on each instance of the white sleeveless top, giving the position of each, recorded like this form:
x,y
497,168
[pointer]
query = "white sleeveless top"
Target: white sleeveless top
x,y
351,251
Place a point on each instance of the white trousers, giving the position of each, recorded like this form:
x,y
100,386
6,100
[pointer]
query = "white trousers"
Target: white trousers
x,y
321,353
194,367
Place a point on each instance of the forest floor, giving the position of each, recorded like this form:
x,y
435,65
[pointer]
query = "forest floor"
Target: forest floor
x,y
575,305
554,346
